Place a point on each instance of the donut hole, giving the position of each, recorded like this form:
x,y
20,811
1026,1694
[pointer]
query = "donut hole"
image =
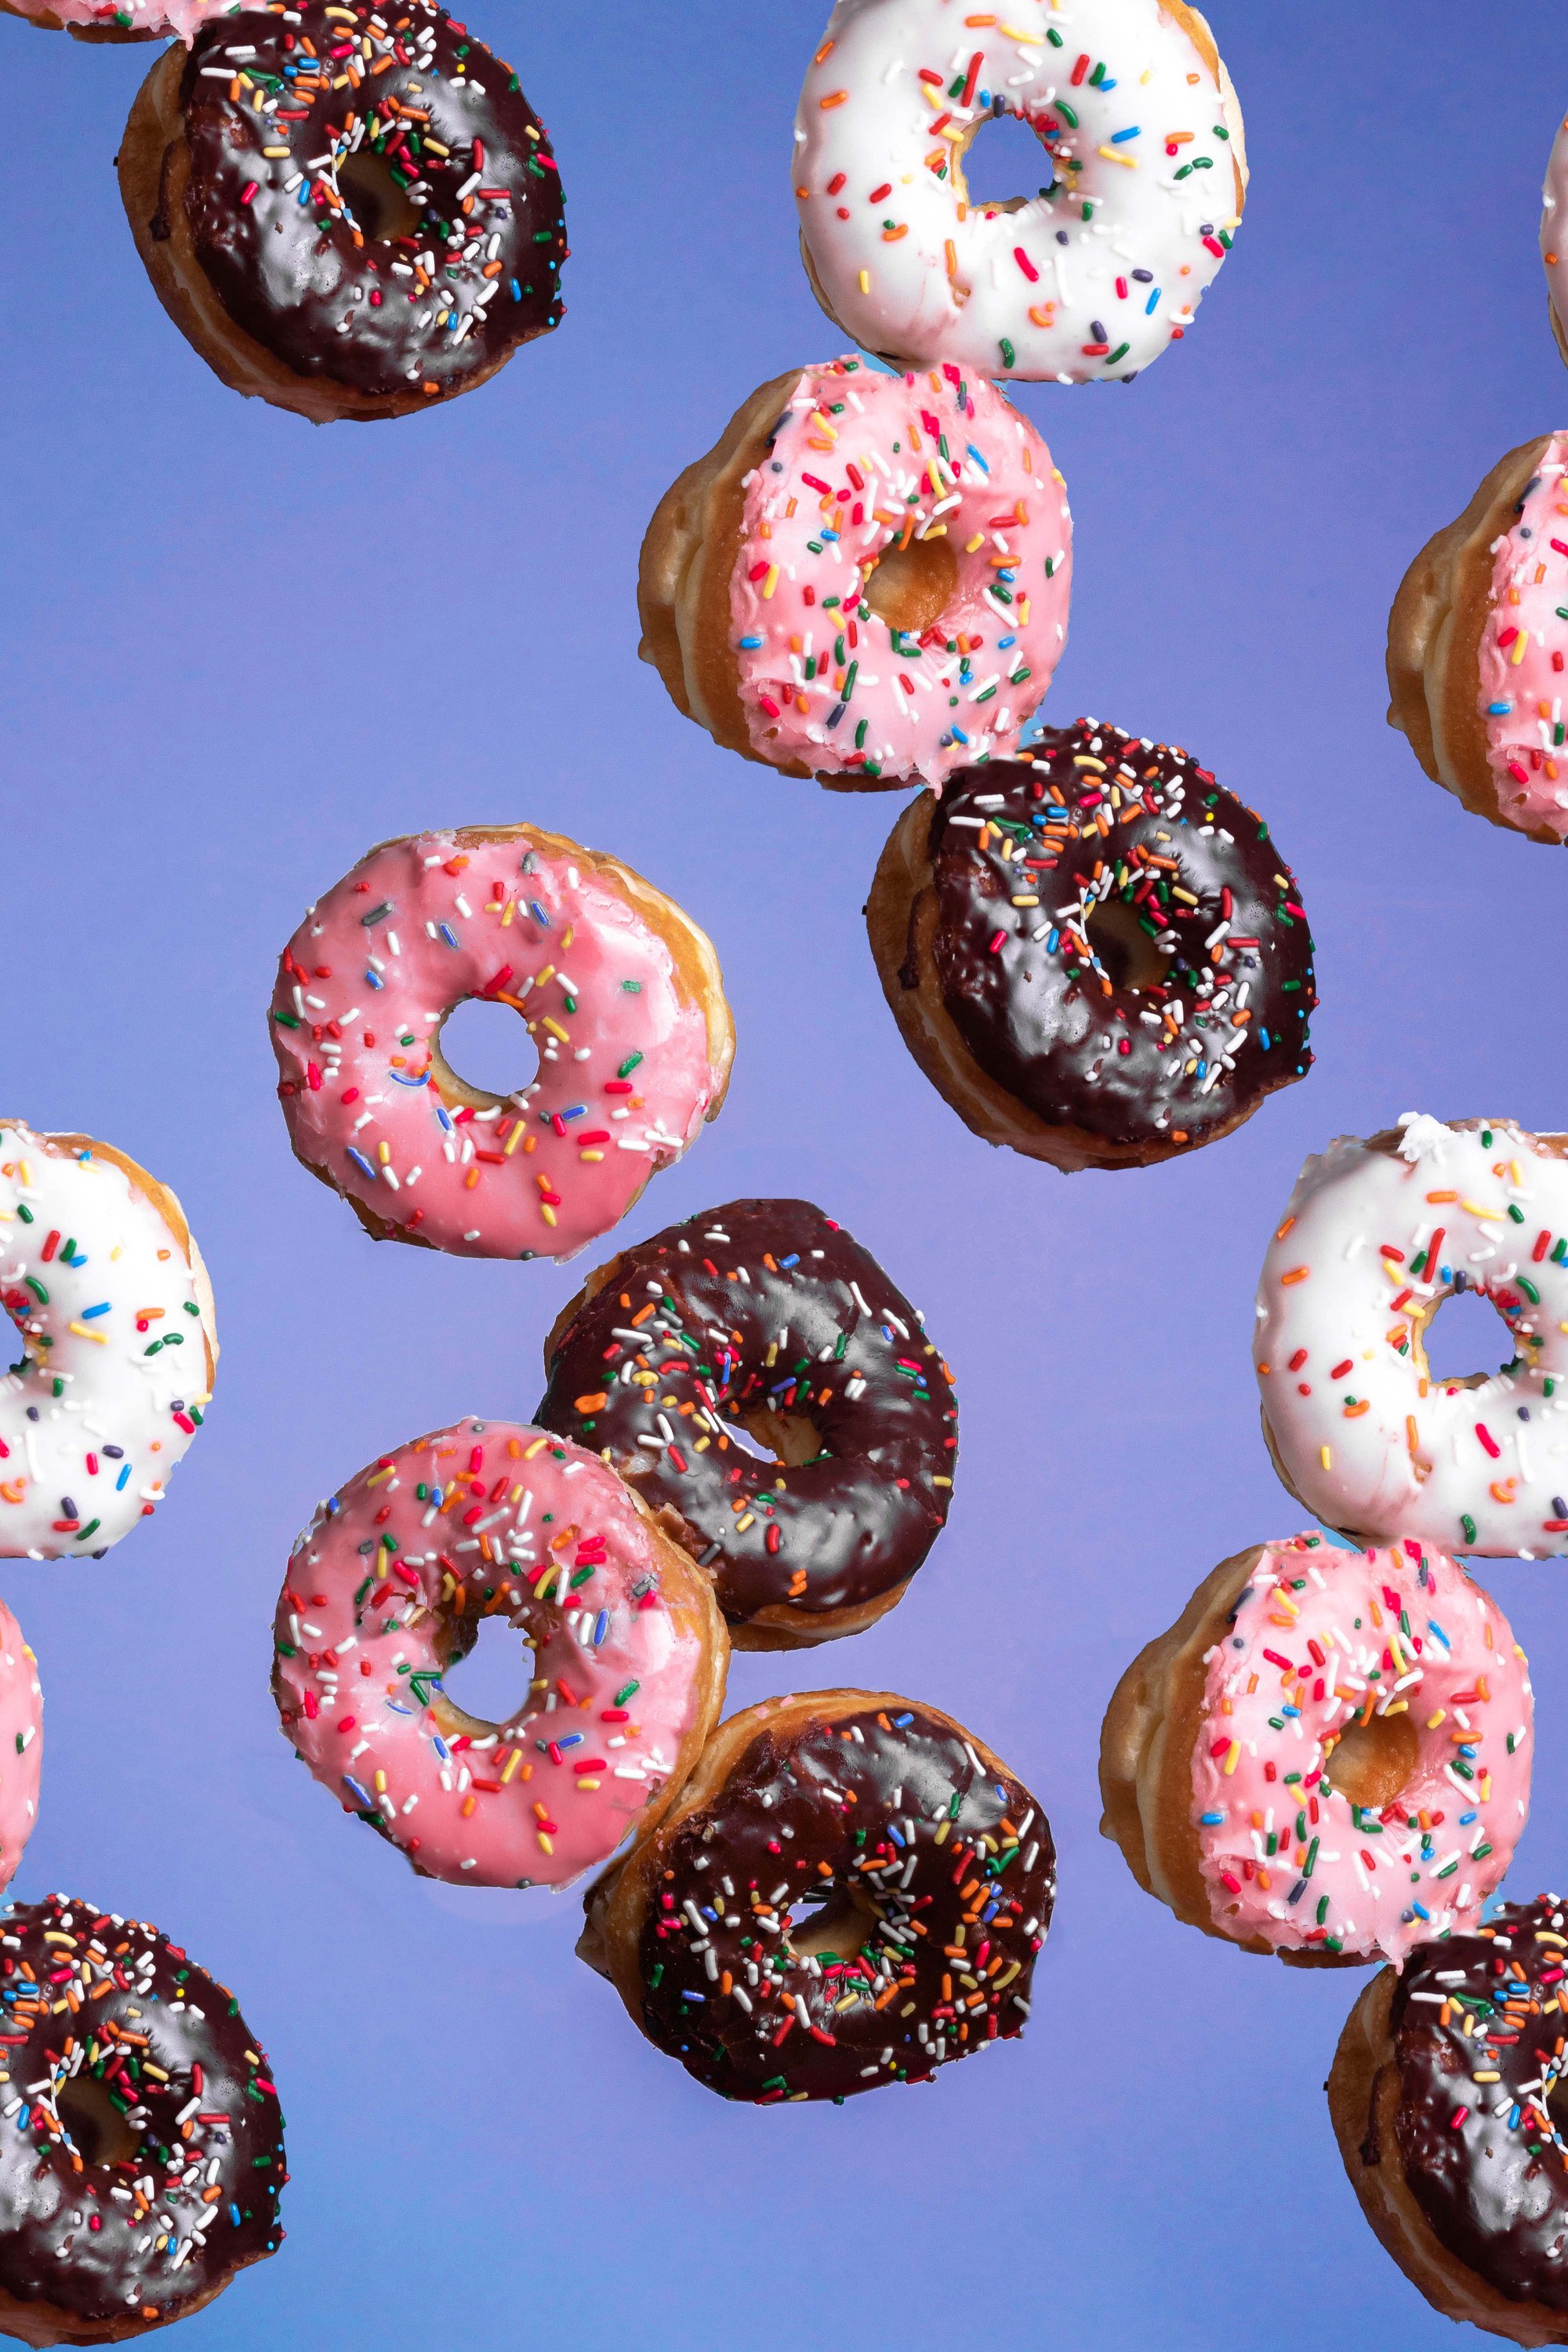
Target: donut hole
x,y
496,1059
1464,1331
479,1681
1374,1760
787,1438
912,586
830,1921
381,208
1127,956
99,2130
1004,151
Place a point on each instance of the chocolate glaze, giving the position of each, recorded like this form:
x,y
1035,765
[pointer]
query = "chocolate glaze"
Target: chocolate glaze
x,y
1027,987
72,2239
291,274
1495,2189
841,1529
923,1805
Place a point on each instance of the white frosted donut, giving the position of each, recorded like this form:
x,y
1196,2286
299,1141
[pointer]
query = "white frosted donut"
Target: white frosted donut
x,y
1376,1236
1140,133
102,1279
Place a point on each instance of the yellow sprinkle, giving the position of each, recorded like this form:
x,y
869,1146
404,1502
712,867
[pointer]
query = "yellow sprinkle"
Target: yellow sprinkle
x,y
381,1784
556,1029
822,425
591,1155
771,582
383,1152
588,1784
273,153
378,1477
978,541
512,1761
1115,155
864,282
1325,1457
1517,655
1492,1216
545,1845
1434,1720
84,1331
514,1138
1233,1757
547,1213
1015,33
743,1524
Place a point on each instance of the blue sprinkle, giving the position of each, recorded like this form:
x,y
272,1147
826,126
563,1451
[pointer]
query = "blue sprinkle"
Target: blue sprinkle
x,y
449,934
1419,1912
22,2119
893,1834
363,1794
1150,305
576,1111
959,736
1296,1891
537,911
836,714
979,460
1118,138
694,1996
1263,1035
119,1482
1211,1821
1003,643
439,1744
1053,942
900,1720
361,1162
1513,2119
601,1626
402,1081
1466,1819
516,291
373,980
753,645
233,2215
442,1117
1289,1710
1433,1627
87,1313
784,1262
1499,709
572,1739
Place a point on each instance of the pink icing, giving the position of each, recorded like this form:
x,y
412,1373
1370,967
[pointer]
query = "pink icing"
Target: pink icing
x,y
1374,1885
620,1673
626,1074
157,18
973,681
21,1743
1523,642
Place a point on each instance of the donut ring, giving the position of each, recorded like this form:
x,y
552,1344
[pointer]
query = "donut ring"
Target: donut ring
x,y
1096,955
767,1313
130,2101
1475,647
867,580
295,246
1262,1703
100,1275
115,20
691,1927
1086,283
612,1611
635,1044
1440,2098
21,1744
1359,1431
1554,235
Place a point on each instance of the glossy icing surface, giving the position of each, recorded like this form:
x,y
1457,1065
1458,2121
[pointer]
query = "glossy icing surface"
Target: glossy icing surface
x,y
1554,225
132,2091
387,1588
418,925
1085,282
1524,641
1330,1652
151,18
1371,1243
933,1882
21,1743
374,202
1477,2030
1118,944
767,1308
111,1381
864,467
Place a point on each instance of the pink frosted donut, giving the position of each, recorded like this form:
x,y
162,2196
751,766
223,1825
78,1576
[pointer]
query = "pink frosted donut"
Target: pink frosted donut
x,y
620,990
1329,1754
1554,235
120,20
386,1589
21,1743
867,580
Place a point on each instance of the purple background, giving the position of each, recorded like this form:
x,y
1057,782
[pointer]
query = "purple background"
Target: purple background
x,y
235,651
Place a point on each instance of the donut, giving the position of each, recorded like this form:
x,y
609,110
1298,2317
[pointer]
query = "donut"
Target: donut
x,y
765,1314
1096,954
1377,1234
1554,235
140,2137
634,1040
101,1278
852,1890
403,1564
1327,1758
866,580
1086,283
1476,646
347,213
116,20
1441,2099
21,1744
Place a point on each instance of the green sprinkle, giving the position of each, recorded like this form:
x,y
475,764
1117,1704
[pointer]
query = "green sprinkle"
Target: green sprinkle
x,y
628,1066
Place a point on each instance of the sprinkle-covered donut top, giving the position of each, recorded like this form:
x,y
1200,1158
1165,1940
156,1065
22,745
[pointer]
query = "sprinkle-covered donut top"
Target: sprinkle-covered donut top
x,y
117,1339
1554,227
140,2137
387,1588
1524,638
860,1902
1118,944
941,481
371,195
766,1314
1480,2027
1376,1235
149,19
1362,1772
21,1743
629,1065
1085,282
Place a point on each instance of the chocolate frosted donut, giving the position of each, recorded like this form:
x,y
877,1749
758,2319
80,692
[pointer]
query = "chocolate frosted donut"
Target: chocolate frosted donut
x,y
851,1891
1095,953
1444,2098
349,211
765,1315
141,2139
